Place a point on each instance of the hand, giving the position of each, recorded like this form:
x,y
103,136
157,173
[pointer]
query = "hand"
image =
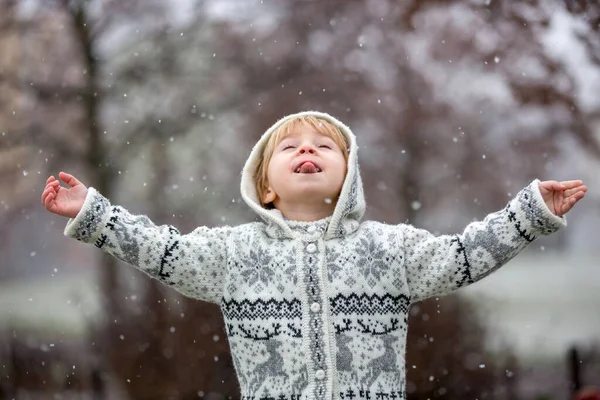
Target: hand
x,y
560,197
62,201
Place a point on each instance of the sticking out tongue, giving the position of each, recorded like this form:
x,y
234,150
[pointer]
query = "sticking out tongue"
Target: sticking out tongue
x,y
308,168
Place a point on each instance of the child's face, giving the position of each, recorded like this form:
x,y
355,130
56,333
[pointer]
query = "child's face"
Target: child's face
x,y
306,166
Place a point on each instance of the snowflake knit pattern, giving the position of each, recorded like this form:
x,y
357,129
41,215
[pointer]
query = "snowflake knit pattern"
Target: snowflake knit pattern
x,y
316,310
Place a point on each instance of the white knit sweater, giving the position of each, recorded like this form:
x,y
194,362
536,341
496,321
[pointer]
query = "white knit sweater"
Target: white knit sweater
x,y
316,310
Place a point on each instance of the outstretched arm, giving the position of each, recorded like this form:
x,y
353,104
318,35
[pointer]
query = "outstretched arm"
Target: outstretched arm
x,y
194,264
439,265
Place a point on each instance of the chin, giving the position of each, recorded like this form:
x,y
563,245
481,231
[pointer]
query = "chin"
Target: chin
x,y
316,197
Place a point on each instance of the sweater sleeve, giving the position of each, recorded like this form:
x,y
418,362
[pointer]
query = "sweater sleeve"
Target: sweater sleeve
x,y
193,264
436,266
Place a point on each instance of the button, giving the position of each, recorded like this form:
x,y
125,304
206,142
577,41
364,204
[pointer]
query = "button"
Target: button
x,y
320,374
312,229
311,248
315,307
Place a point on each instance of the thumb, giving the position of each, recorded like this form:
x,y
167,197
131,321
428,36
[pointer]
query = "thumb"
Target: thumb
x,y
69,179
558,186
552,185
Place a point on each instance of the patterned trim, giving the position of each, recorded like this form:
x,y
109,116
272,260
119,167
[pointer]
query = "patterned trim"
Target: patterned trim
x,y
357,394
261,309
349,394
367,326
256,317
264,331
464,270
169,259
365,304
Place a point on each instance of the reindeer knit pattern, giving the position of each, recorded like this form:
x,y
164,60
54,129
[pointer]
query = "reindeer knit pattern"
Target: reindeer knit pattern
x,y
316,310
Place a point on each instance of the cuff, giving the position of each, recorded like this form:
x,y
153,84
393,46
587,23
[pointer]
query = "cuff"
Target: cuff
x,y
542,220
87,224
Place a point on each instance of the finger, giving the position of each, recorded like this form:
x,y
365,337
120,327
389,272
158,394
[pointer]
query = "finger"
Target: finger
x,y
547,184
53,184
50,179
570,202
572,184
45,193
69,179
578,196
45,198
575,196
49,188
552,186
49,202
557,186
571,192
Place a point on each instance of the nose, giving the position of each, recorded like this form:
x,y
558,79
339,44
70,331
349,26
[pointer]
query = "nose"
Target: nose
x,y
307,148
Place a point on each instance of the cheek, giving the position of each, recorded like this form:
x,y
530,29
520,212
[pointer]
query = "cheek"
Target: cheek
x,y
343,169
270,175
343,177
274,171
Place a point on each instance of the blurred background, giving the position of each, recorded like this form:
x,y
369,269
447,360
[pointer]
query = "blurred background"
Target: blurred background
x,y
456,104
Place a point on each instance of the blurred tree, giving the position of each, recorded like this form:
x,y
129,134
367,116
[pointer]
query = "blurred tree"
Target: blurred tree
x,y
66,103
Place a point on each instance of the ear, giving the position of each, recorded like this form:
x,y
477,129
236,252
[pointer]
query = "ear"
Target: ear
x,y
269,196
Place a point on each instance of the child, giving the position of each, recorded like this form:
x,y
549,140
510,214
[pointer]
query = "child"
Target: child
x,y
315,302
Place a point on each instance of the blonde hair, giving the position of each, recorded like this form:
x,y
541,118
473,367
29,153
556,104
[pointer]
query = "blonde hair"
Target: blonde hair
x,y
321,125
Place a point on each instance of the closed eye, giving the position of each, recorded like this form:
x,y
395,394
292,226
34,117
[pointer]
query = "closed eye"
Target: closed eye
x,y
324,146
287,147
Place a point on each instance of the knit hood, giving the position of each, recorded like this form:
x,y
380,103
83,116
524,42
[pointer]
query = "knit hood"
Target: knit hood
x,y
351,203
